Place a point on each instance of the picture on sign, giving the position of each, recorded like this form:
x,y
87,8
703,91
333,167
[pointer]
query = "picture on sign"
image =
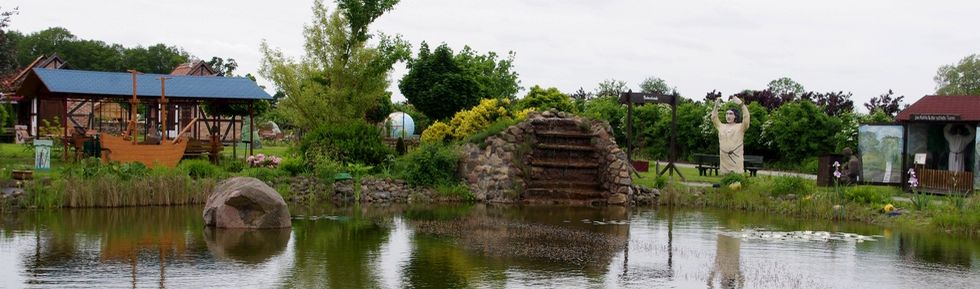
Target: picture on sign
x,y
42,154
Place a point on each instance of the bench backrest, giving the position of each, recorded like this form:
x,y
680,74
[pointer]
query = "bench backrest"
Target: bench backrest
x,y
754,159
706,159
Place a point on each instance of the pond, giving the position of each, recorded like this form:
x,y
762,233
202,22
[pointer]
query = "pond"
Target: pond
x,y
474,246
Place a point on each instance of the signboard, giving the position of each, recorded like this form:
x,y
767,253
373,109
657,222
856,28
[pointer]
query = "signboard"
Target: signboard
x,y
42,154
920,159
641,98
935,117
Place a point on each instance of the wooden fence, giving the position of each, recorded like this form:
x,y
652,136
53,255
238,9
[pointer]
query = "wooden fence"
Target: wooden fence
x,y
943,181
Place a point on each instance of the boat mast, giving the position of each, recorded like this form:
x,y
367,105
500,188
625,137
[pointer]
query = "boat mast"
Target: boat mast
x,y
133,103
163,109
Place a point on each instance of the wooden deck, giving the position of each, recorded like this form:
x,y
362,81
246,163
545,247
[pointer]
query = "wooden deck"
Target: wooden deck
x,y
167,154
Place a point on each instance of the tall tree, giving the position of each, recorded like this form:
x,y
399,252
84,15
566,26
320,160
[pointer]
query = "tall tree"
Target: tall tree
x,y
97,55
222,66
341,78
785,85
833,103
886,104
436,85
8,52
655,84
610,87
440,83
963,78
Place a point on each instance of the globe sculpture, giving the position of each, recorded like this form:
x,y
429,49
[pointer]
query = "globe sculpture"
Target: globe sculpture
x,y
400,125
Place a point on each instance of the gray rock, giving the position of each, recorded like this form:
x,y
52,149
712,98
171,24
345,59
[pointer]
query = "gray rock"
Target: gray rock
x,y
246,203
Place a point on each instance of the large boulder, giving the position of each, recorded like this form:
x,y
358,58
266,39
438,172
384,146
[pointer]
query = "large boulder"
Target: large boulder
x,y
246,203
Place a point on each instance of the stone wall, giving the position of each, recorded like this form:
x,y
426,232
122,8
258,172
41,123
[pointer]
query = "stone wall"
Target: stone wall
x,y
541,160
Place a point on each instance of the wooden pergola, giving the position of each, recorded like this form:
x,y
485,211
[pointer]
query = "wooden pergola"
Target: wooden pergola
x,y
64,93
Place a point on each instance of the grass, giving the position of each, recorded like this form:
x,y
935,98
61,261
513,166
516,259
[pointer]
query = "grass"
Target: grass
x,y
690,175
955,215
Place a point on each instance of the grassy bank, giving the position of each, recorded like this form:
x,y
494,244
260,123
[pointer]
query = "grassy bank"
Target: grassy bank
x,y
798,197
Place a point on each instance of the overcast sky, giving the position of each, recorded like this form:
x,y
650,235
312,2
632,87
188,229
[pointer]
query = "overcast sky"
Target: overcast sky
x,y
865,47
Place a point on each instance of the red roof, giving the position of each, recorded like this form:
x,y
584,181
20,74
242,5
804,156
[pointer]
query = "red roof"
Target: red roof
x,y
966,107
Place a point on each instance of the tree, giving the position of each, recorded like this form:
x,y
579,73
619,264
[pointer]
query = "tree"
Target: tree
x,y
436,85
581,94
962,78
223,67
655,84
341,78
543,99
97,55
785,85
800,129
440,83
8,52
610,87
609,109
886,104
833,103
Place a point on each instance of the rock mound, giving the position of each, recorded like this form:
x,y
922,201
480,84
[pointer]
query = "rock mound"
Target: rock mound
x,y
246,203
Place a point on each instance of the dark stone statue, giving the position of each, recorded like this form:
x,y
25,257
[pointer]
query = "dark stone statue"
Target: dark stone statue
x,y
851,169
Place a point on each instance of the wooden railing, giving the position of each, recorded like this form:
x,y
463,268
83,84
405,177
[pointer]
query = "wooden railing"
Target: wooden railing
x,y
943,181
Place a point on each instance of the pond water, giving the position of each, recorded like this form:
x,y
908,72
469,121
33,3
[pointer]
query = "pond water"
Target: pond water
x,y
474,246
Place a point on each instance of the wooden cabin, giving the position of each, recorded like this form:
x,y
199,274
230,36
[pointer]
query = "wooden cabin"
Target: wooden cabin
x,y
939,142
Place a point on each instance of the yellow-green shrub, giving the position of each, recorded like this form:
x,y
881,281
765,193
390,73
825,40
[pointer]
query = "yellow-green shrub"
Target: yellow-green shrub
x,y
436,132
468,122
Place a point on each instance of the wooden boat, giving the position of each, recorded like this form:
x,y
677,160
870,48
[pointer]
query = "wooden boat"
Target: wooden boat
x,y
119,149
126,149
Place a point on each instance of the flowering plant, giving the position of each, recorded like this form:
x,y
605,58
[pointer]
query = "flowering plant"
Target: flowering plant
x,y
261,160
919,200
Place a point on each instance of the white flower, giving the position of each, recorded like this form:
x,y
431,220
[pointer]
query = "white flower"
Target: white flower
x,y
836,164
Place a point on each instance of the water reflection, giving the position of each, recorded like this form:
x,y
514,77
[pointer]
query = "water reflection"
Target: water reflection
x,y
467,246
244,245
727,268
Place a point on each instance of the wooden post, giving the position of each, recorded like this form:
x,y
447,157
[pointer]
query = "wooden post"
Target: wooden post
x,y
163,109
629,127
251,128
234,137
64,126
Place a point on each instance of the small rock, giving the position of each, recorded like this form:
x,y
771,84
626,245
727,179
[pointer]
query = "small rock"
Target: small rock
x,y
617,199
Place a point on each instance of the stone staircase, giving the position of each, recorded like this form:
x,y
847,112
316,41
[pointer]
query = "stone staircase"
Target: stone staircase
x,y
564,164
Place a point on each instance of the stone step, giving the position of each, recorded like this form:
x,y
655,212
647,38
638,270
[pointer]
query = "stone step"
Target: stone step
x,y
563,155
566,163
565,134
564,184
564,147
551,194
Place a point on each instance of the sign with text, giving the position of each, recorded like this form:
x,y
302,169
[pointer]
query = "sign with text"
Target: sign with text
x,y
935,117
641,98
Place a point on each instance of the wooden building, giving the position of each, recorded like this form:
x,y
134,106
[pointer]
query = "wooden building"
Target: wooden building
x,y
62,92
939,142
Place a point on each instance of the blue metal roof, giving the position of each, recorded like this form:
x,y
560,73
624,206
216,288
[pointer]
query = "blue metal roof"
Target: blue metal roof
x,y
148,85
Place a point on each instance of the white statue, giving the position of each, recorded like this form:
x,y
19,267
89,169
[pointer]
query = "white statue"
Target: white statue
x,y
731,137
958,137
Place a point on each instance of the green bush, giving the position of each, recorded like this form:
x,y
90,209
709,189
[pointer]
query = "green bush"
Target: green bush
x,y
200,169
869,194
326,169
791,185
233,165
429,164
264,174
541,99
355,142
293,166
455,190
133,170
732,178
495,128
